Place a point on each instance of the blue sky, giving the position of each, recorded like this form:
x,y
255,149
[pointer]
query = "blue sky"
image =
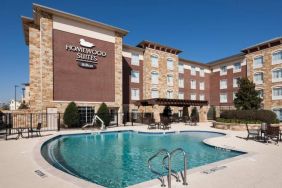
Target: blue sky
x,y
204,30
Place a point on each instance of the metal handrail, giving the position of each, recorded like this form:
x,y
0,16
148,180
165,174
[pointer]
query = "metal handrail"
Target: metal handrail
x,y
94,119
161,178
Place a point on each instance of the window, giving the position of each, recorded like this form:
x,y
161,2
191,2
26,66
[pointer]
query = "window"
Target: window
x,y
260,93
258,78
223,98
202,72
181,68
169,64
223,70
134,94
237,67
223,84
180,95
169,79
193,70
258,62
234,95
202,85
277,57
278,112
135,59
276,93
181,82
193,96
235,82
277,75
155,77
155,93
169,94
86,114
154,61
135,76
202,97
193,84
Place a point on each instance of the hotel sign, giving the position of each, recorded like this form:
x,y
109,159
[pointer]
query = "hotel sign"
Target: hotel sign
x,y
86,56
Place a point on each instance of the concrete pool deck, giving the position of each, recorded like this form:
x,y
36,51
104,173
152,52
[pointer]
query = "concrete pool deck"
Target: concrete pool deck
x,y
262,167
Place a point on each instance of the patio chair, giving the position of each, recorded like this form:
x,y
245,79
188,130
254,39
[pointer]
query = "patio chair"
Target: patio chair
x,y
273,133
37,130
252,132
151,123
165,123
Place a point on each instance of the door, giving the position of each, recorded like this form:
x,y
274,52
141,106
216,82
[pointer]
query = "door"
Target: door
x,y
52,118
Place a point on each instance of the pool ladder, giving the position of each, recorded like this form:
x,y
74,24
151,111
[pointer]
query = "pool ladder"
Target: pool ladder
x,y
170,172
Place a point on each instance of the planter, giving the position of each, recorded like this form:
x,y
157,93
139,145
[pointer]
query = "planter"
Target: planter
x,y
239,126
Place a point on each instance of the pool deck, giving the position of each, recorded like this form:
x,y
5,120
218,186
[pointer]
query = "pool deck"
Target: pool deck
x,y
261,167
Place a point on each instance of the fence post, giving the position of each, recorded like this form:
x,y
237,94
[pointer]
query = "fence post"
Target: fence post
x,y
59,120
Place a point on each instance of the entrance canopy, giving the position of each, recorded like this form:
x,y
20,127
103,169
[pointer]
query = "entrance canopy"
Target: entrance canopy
x,y
170,102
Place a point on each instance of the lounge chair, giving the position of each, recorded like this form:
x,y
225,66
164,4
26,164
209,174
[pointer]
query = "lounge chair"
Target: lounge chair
x,y
151,124
252,132
165,123
37,130
273,133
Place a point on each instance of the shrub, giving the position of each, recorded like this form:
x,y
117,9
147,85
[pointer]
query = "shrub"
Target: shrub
x,y
195,115
71,115
185,112
211,113
266,116
104,113
167,111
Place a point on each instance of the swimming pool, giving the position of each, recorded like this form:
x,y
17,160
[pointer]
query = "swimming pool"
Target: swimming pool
x,y
119,159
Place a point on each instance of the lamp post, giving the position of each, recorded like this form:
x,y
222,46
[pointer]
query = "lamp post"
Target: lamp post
x,y
16,96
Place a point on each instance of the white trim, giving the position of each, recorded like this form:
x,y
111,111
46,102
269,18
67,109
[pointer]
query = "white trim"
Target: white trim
x,y
274,51
256,56
276,97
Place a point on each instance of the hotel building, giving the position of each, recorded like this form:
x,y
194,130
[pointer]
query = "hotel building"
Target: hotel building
x,y
76,59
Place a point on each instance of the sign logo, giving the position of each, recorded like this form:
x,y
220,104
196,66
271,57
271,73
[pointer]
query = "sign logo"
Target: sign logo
x,y
86,56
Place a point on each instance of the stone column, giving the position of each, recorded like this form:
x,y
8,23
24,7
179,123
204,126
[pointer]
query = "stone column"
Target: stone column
x,y
156,112
203,114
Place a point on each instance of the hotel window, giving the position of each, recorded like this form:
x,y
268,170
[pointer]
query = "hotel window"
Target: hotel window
x,y
202,72
234,95
169,94
235,82
155,77
134,94
193,96
223,98
237,67
258,62
86,114
135,76
277,75
154,61
169,79
277,93
223,84
181,82
155,93
258,78
180,95
135,59
181,68
260,93
169,64
193,70
277,57
223,70
202,97
202,85
193,84
278,112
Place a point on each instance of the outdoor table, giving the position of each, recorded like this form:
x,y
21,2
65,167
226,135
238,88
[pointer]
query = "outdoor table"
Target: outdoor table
x,y
20,131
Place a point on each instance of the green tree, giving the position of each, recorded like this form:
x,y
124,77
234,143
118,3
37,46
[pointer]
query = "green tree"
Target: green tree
x,y
167,111
71,115
247,98
195,115
104,113
211,113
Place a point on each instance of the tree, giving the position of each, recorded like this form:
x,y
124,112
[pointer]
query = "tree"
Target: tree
x,y
185,112
247,98
71,115
195,115
167,111
23,105
104,113
211,113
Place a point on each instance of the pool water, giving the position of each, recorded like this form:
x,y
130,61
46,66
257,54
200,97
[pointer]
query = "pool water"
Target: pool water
x,y
119,159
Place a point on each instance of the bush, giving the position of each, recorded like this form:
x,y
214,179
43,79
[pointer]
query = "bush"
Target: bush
x,y
266,116
185,112
195,115
211,113
167,111
104,113
71,115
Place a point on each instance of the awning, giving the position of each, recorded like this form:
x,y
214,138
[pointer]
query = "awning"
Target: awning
x,y
170,102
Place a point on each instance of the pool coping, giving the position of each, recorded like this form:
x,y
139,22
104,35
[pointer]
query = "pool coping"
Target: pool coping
x,y
51,170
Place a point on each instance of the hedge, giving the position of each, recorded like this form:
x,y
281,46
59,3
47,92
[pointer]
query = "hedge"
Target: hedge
x,y
266,116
